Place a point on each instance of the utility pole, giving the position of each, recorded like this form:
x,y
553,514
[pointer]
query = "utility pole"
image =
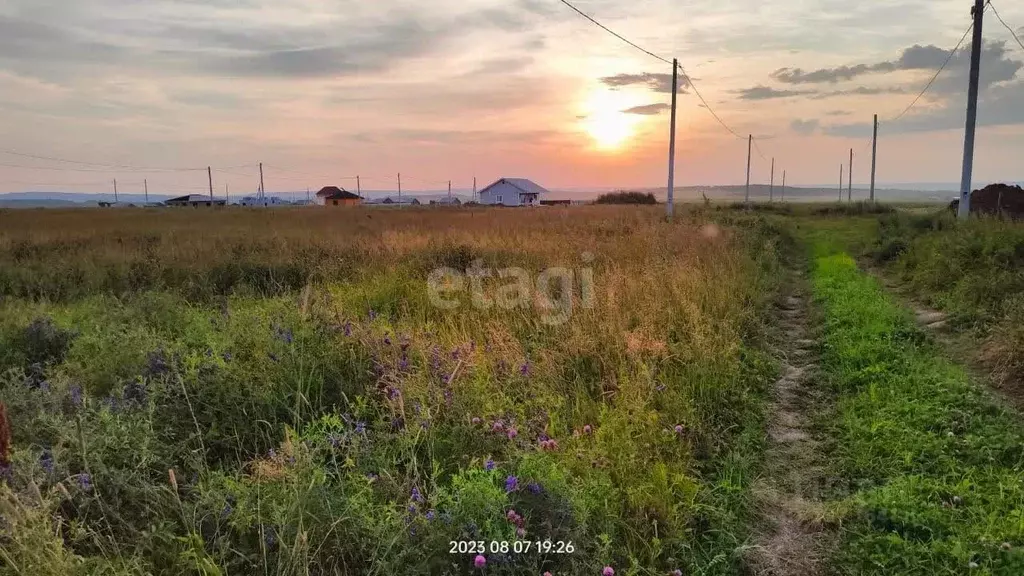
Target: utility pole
x,y
359,187
978,13
840,183
771,187
874,154
474,188
115,190
227,196
849,191
145,184
750,140
399,188
307,195
783,199
670,204
209,174
449,191
260,196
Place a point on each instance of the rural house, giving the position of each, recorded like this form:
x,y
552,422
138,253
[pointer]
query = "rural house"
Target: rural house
x,y
335,196
195,201
396,201
513,192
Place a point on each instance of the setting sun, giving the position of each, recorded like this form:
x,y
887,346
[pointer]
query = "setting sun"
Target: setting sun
x,y
604,120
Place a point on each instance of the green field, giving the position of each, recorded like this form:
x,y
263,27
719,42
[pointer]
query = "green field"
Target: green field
x,y
400,392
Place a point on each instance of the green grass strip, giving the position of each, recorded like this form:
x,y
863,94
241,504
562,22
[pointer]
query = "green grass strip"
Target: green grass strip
x,y
930,468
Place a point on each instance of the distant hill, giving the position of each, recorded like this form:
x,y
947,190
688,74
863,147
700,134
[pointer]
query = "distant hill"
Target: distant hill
x,y
30,203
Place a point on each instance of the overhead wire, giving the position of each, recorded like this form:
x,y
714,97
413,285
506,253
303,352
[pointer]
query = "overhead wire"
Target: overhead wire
x,y
99,164
1007,26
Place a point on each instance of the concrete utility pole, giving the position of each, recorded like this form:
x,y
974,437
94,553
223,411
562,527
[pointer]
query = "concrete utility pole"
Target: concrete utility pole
x,y
670,204
978,13
783,199
849,191
260,195
145,184
750,140
840,183
874,155
115,190
771,187
209,174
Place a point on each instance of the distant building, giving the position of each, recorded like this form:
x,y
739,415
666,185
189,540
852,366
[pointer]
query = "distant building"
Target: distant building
x,y
453,201
335,196
265,201
195,201
564,202
395,201
513,192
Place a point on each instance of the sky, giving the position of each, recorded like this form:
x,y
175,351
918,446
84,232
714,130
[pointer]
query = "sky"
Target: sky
x,y
323,90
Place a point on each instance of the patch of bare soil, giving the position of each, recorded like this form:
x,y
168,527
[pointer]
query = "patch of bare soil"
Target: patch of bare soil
x,y
792,540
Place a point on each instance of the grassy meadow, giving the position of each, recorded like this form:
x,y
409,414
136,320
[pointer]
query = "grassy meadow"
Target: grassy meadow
x,y
275,391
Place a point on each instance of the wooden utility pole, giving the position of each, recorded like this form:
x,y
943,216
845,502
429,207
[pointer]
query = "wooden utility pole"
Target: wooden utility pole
x,y
750,140
474,188
359,187
449,191
145,184
260,195
849,191
115,190
771,186
874,155
783,199
399,188
307,195
972,111
227,196
209,174
670,204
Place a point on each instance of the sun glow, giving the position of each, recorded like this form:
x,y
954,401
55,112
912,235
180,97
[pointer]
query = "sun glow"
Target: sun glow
x,y
604,120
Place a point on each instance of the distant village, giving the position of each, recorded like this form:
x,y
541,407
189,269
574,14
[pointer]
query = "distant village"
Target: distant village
x,y
502,192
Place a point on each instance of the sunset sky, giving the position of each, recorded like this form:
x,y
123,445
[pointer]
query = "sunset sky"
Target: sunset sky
x,y
320,90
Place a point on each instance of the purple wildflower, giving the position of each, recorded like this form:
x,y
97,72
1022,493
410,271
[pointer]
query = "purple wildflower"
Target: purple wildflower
x,y
412,508
512,433
269,538
398,423
226,511
425,424
511,484
455,354
521,532
348,328
489,465
676,572
430,516
403,363
480,561
679,428
498,426
44,386
334,439
588,429
416,496
373,315
534,488
394,393
272,454
46,461
387,340
226,356
371,476
608,571
76,395
85,481
525,368
360,427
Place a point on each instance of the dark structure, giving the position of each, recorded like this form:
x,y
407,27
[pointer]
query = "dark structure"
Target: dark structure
x,y
335,196
196,201
996,200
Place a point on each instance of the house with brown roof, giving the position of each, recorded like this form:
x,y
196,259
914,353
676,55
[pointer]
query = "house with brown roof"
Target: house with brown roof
x,y
335,196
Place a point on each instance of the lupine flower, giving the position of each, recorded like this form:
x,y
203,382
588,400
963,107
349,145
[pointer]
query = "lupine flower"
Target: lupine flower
x,y
489,465
44,386
360,427
371,477
269,538
534,488
480,561
425,424
348,328
76,395
226,511
373,315
85,481
226,356
416,496
46,461
608,571
525,368
512,515
403,363
429,516
134,391
455,354
387,340
512,433
511,484
521,532
412,508
398,423
498,426
679,428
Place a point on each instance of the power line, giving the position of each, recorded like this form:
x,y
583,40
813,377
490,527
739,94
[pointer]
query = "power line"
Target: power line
x,y
706,105
616,34
1008,27
935,77
758,149
97,164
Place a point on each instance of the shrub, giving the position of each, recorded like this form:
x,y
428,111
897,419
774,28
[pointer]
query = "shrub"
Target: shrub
x,y
626,198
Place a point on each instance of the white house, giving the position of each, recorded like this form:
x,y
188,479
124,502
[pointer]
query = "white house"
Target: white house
x,y
264,201
513,192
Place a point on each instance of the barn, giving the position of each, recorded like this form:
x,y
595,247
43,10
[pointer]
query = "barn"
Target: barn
x,y
196,200
513,192
335,196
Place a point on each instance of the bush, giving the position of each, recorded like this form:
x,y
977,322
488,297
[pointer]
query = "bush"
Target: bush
x,y
626,198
